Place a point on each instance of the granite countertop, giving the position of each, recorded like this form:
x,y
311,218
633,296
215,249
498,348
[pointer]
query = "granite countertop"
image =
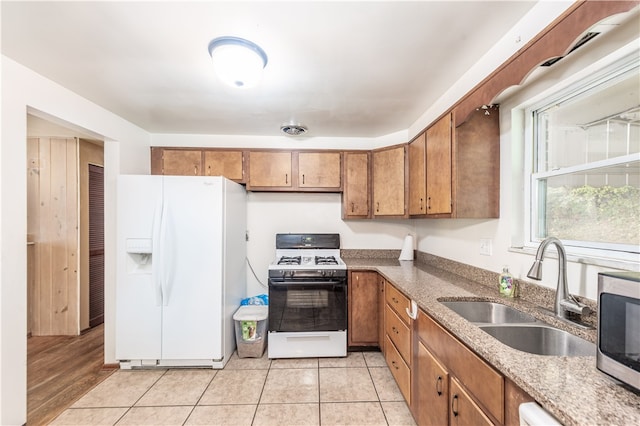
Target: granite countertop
x,y
570,388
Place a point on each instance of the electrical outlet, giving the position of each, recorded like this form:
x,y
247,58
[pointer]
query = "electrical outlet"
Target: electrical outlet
x,y
485,246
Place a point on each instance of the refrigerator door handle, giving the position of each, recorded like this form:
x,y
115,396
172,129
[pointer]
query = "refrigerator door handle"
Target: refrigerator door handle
x,y
166,261
156,255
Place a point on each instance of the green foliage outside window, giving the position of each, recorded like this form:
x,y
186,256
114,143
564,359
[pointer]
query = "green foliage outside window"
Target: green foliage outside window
x,y
597,214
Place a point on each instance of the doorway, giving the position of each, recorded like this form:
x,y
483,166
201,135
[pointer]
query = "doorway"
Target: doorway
x,y
64,362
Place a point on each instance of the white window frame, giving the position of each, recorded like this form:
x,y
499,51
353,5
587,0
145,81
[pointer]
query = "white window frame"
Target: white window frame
x,y
610,255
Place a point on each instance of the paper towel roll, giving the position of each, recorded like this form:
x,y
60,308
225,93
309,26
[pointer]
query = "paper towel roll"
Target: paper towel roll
x,y
407,248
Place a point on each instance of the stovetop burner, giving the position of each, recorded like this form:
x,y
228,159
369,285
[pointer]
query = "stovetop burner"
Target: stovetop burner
x,y
289,260
326,260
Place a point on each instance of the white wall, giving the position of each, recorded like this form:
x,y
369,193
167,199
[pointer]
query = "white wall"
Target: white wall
x,y
271,213
126,150
460,239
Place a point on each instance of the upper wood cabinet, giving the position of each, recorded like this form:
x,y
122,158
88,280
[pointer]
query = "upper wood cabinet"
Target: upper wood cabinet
x,y
356,199
270,169
227,163
198,162
310,171
389,184
176,161
319,170
430,170
418,176
439,166
476,166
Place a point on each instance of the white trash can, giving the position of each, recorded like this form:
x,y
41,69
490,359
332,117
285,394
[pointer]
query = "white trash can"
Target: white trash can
x,y
251,330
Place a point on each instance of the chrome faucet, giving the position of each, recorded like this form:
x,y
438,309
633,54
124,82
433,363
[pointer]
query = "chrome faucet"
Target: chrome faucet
x,y
564,301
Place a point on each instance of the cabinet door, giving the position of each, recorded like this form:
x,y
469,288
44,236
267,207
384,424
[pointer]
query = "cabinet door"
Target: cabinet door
x,y
439,166
181,162
229,164
363,309
462,410
485,383
269,169
355,197
388,182
477,166
432,389
319,170
417,176
513,397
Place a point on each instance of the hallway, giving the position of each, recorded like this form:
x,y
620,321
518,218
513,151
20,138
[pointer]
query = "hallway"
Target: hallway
x,y
60,369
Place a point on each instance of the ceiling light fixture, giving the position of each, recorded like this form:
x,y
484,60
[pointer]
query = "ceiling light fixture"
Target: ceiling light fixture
x,y
236,61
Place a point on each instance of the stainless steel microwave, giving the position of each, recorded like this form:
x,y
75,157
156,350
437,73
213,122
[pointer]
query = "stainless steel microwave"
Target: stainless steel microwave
x,y
618,353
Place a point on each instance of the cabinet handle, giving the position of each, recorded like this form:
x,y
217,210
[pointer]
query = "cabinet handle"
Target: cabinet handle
x,y
439,385
428,203
286,178
377,206
395,330
303,179
420,203
394,299
352,207
454,401
394,365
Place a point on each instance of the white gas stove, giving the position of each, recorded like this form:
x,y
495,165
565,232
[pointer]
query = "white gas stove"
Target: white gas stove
x,y
307,297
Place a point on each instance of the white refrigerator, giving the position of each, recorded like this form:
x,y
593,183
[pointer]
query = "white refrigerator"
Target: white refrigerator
x,y
180,269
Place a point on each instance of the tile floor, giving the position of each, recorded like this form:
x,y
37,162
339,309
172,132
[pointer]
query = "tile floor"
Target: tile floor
x,y
356,390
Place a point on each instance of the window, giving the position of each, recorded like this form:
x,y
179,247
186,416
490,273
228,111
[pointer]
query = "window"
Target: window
x,y
585,167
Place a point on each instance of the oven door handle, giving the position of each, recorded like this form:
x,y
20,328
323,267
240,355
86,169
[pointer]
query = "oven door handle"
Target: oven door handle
x,y
318,283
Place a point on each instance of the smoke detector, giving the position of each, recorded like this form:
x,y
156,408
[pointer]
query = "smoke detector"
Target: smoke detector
x,y
293,129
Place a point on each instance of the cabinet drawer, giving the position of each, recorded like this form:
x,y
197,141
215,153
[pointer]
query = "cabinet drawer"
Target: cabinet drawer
x,y
399,334
462,410
486,384
399,302
399,369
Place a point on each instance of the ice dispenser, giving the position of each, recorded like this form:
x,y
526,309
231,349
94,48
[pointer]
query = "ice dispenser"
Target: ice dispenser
x,y
140,255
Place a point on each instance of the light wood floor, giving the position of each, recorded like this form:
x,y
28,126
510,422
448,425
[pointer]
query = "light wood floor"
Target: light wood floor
x,y
60,369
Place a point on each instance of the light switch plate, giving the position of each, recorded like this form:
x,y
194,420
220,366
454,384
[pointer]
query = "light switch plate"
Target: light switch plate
x,y
486,246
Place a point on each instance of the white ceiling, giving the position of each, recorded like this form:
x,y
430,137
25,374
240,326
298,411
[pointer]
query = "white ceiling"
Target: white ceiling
x,y
341,68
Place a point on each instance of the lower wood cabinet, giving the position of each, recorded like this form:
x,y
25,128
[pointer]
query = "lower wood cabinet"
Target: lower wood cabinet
x,y
513,397
399,369
462,410
398,338
476,390
431,399
363,309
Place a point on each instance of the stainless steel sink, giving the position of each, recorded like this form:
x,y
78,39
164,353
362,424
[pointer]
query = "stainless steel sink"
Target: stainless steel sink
x,y
540,339
488,312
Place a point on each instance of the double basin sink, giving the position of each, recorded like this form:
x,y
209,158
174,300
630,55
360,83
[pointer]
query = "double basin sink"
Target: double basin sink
x,y
520,330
